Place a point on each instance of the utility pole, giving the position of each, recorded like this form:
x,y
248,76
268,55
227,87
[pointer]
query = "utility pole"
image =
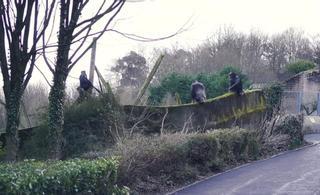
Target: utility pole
x,y
93,59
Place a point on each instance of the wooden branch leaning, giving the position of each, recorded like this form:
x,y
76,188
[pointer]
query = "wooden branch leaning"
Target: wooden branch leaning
x,y
148,80
105,84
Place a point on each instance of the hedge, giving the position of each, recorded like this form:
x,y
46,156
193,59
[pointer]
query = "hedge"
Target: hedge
x,y
60,177
300,66
216,84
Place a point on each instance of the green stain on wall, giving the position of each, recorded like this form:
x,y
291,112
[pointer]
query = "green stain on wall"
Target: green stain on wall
x,y
214,112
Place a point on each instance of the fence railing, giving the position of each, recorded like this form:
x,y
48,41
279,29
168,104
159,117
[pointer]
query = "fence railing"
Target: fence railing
x,y
307,102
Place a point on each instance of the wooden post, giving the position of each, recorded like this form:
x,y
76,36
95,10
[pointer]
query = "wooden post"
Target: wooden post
x,y
93,59
148,80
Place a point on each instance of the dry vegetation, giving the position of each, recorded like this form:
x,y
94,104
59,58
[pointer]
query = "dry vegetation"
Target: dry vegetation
x,y
156,164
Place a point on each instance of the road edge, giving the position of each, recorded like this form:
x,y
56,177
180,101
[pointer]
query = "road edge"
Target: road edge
x,y
241,166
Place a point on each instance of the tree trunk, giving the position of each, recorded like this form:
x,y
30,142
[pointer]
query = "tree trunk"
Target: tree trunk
x,y
56,116
12,120
57,97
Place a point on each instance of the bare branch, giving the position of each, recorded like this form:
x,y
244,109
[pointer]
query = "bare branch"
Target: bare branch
x,y
44,76
99,35
96,18
139,38
82,43
162,123
45,56
145,39
33,57
44,43
26,24
96,15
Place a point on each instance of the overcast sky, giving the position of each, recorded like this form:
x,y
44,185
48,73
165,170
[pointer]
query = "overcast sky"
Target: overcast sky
x,y
157,18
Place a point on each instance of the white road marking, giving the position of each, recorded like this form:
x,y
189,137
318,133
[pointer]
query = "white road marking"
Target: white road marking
x,y
235,189
303,177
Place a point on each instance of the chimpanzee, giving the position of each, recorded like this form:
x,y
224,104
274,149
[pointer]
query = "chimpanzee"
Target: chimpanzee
x,y
85,83
198,92
235,84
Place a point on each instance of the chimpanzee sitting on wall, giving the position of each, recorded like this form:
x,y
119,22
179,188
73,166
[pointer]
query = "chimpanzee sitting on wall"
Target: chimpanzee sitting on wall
x,y
198,92
85,83
235,84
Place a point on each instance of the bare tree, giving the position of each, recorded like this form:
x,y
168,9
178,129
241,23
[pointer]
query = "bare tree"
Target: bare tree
x,y
22,24
315,45
255,53
252,53
73,34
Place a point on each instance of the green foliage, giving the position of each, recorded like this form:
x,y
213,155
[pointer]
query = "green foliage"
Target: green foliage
x,y
61,177
291,125
273,95
202,148
88,126
132,68
237,145
300,66
173,83
216,84
37,146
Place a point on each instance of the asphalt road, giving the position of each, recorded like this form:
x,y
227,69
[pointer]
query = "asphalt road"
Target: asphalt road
x,y
294,172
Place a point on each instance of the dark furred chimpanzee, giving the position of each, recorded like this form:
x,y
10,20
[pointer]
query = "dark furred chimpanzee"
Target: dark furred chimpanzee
x,y
235,84
198,92
85,83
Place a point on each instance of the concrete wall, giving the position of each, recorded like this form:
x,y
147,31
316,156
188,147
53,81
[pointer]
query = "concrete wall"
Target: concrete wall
x,y
307,83
224,111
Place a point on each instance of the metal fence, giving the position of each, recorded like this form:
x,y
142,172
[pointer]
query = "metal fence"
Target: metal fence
x,y
294,102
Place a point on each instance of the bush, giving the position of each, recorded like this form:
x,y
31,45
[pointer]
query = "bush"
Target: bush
x,y
273,95
291,125
36,147
176,158
216,84
60,177
89,126
300,66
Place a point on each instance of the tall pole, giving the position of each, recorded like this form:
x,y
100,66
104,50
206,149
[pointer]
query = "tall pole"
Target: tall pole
x,y
93,59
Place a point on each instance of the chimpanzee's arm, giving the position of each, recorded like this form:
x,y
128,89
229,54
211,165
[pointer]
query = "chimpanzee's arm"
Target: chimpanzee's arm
x,y
236,82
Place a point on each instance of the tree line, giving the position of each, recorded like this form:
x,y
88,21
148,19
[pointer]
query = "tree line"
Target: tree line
x,y
261,56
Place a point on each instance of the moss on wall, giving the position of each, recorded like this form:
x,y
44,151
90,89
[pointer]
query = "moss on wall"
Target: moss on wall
x,y
221,111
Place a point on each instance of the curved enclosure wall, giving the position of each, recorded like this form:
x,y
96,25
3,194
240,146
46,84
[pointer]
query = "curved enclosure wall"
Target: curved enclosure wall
x,y
223,111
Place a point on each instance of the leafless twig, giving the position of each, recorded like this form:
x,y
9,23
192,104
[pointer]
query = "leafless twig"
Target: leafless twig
x,y
163,119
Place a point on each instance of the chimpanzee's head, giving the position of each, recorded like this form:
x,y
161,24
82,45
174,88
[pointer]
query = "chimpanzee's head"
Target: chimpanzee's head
x,y
83,73
232,75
